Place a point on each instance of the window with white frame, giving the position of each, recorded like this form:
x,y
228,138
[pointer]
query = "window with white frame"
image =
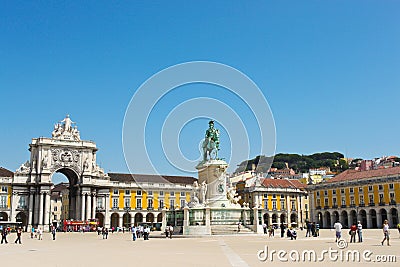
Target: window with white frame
x,y
182,194
115,203
171,204
352,200
22,202
100,203
139,192
361,199
371,199
183,202
127,192
3,202
161,203
4,189
161,193
115,192
274,204
380,198
139,203
150,193
343,201
283,204
127,203
150,203
172,193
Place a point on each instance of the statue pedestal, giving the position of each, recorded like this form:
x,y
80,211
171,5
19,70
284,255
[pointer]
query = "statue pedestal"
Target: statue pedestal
x,y
213,173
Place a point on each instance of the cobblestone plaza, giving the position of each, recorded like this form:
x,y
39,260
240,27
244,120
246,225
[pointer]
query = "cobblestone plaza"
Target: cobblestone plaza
x,y
89,249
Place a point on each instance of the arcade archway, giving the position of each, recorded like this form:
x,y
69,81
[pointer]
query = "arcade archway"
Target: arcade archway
x,y
159,217
3,216
115,220
22,218
345,219
150,217
394,217
100,218
138,218
126,220
71,181
266,218
363,217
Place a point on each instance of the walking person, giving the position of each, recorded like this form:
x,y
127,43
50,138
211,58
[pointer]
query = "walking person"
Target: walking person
x,y
105,233
40,234
19,233
32,232
313,229
171,230
316,229
385,229
359,232
308,233
338,229
264,226
353,230
239,224
53,232
146,233
133,233
4,234
282,230
166,231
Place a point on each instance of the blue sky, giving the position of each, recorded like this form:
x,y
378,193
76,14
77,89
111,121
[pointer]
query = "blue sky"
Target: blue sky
x,y
328,69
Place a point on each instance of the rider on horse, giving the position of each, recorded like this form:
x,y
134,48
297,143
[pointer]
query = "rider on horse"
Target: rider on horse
x,y
211,141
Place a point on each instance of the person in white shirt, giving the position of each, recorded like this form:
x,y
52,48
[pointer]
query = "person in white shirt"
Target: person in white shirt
x,y
359,231
338,228
385,229
134,233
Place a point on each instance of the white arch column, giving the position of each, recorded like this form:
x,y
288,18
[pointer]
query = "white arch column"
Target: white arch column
x,y
94,206
89,207
46,211
120,220
83,206
107,213
30,213
40,208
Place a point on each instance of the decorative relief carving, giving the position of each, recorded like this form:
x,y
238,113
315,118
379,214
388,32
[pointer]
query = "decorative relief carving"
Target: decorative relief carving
x,y
65,158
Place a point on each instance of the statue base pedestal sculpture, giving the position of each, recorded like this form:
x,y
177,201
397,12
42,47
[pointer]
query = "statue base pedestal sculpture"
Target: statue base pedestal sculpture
x,y
214,206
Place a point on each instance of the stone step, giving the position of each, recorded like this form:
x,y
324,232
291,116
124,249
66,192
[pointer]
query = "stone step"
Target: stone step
x,y
229,230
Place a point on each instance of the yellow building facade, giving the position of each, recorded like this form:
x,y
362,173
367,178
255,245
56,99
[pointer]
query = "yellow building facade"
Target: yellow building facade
x,y
279,200
366,196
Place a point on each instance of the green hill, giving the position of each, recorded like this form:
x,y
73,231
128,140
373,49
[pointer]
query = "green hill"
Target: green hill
x,y
299,163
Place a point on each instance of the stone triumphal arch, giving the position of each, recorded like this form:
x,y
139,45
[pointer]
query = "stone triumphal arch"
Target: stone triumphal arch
x,y
65,153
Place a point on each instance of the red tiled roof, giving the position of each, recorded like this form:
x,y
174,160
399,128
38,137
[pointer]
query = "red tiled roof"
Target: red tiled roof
x,y
355,175
283,183
6,173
